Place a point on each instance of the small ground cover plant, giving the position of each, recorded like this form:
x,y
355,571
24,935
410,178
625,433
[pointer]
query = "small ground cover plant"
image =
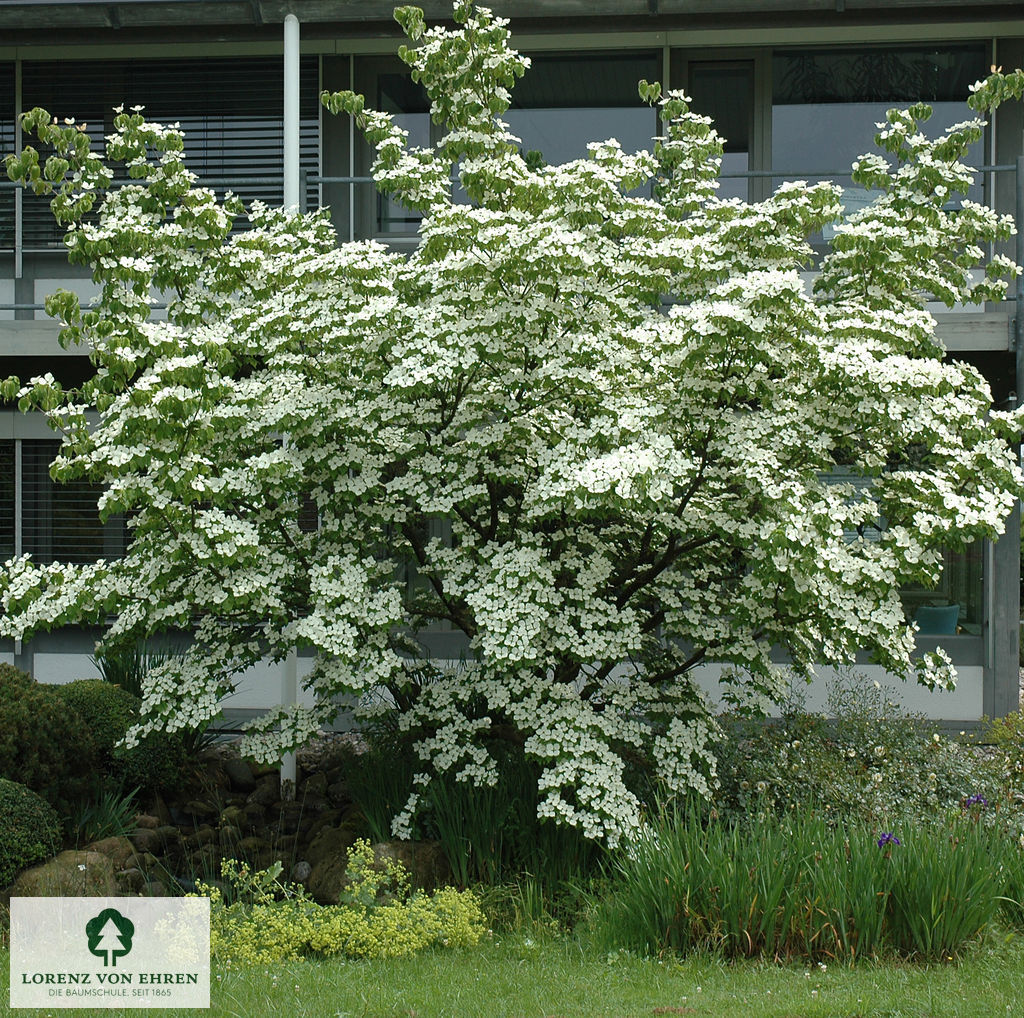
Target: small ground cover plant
x,y
380,917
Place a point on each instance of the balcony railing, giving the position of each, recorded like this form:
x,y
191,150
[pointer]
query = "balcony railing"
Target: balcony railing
x,y
307,180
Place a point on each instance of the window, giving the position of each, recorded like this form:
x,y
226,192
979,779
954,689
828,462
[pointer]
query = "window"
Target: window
x,y
6,500
560,105
60,522
724,91
826,103
6,145
230,109
564,102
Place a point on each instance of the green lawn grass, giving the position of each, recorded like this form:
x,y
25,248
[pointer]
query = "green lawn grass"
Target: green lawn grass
x,y
519,976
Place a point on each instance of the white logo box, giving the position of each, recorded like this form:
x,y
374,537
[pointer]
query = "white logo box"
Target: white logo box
x,y
110,952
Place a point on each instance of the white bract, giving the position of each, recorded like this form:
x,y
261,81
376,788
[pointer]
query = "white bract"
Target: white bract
x,y
593,423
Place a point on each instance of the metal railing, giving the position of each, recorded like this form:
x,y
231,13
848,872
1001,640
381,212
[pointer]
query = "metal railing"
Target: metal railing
x,y
306,179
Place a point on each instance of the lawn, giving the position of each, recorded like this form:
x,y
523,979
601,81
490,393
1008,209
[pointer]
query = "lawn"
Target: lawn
x,y
524,976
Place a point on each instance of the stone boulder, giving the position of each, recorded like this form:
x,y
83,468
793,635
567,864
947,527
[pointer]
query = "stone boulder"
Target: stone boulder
x,y
74,873
239,773
425,861
327,856
118,850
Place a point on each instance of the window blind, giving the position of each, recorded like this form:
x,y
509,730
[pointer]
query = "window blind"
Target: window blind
x,y
231,110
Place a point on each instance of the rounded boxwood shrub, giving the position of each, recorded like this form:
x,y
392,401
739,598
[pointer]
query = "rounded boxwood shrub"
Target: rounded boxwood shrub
x,y
159,763
108,710
13,681
156,764
30,832
46,745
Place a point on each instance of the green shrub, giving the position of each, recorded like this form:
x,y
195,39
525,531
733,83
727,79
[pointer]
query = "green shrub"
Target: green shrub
x,y
1007,735
45,745
30,832
799,886
869,760
13,681
157,764
271,921
108,710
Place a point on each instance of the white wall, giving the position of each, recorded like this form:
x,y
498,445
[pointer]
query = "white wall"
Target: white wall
x,y
260,687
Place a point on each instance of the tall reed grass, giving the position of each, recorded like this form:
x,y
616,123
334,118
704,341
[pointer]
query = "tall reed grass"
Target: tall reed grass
x,y
799,887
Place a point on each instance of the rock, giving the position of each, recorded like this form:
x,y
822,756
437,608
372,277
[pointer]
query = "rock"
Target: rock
x,y
161,810
300,872
205,861
130,881
255,816
145,820
233,816
328,858
315,784
73,874
155,889
215,777
239,773
169,834
290,816
148,862
200,809
228,837
338,794
425,861
145,839
117,850
330,818
267,791
205,835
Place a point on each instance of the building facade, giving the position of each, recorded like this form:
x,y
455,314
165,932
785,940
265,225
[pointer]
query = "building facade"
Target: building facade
x,y
796,87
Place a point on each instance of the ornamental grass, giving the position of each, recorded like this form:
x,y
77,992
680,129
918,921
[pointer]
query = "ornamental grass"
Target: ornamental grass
x,y
798,887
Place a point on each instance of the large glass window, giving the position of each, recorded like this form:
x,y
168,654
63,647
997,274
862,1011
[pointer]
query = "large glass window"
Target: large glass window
x,y
559,106
6,145
407,102
230,109
724,91
60,522
564,102
826,102
6,500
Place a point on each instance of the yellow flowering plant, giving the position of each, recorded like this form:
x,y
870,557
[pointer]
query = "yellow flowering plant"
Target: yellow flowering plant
x,y
269,920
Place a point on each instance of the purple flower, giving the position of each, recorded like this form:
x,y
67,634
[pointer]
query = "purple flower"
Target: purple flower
x,y
888,838
975,800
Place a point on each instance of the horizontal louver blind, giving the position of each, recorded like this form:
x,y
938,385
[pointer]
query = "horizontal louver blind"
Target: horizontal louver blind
x,y
6,500
6,145
60,522
230,110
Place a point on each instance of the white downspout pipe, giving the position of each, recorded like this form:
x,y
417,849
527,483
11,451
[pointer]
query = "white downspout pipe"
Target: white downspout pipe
x,y
289,672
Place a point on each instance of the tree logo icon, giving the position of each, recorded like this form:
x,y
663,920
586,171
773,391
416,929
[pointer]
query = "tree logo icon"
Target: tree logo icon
x,y
110,935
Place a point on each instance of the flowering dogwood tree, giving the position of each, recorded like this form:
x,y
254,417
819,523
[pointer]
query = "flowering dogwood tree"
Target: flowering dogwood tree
x,y
596,422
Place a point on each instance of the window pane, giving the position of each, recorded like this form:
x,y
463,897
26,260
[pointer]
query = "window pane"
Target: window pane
x,y
231,111
6,146
960,585
826,103
725,92
60,522
6,500
564,102
407,101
